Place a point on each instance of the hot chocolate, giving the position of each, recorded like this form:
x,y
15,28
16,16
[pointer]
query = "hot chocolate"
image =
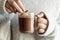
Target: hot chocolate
x,y
26,23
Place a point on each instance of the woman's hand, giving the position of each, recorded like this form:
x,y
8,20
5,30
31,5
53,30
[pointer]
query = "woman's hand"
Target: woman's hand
x,y
42,22
14,6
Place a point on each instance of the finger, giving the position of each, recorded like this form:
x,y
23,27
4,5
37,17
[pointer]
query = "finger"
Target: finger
x,y
41,14
7,5
15,10
43,26
11,7
20,5
14,4
42,20
41,31
8,10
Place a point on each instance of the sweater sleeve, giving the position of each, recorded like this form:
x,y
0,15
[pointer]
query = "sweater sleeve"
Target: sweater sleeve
x,y
3,19
4,15
2,6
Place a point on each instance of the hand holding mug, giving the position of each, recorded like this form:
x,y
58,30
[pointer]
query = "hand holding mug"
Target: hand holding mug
x,y
42,22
